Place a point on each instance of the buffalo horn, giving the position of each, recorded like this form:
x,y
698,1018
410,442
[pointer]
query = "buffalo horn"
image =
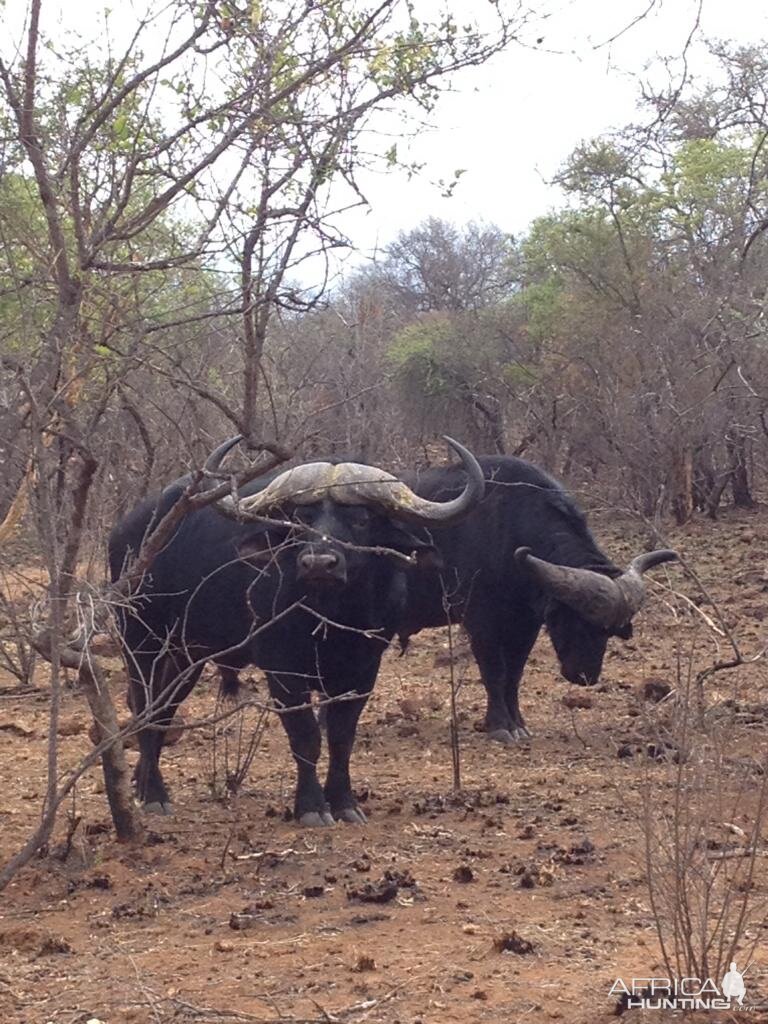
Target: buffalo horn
x,y
605,602
351,483
216,457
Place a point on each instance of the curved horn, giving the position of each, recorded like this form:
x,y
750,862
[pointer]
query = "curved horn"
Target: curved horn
x,y
349,483
647,561
215,459
300,485
403,503
605,602
346,483
211,466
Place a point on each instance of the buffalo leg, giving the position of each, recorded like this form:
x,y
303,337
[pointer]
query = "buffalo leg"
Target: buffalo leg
x,y
160,685
229,682
501,653
342,714
520,730
298,720
341,719
515,657
490,660
150,788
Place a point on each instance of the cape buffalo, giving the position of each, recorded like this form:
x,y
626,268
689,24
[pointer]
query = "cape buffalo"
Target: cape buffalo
x,y
524,558
312,595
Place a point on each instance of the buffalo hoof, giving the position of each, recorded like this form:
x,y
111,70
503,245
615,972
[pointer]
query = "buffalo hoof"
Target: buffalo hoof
x,y
503,736
521,733
353,815
316,819
158,807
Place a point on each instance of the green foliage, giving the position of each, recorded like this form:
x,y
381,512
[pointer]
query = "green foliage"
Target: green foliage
x,y
517,376
443,355
600,171
705,186
706,190
422,353
544,304
25,304
708,170
635,232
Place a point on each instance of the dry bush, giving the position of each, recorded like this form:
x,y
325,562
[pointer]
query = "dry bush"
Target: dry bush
x,y
18,596
704,820
238,729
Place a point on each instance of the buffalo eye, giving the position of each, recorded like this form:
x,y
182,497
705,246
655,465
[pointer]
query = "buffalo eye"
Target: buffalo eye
x,y
259,547
428,558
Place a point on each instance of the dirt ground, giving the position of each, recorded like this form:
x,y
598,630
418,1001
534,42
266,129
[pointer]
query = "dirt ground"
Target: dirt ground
x,y
522,897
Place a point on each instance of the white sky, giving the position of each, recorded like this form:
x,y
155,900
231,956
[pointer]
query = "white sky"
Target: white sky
x,y
512,123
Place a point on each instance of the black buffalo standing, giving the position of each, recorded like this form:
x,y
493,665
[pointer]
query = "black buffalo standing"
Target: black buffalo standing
x,y
299,596
524,558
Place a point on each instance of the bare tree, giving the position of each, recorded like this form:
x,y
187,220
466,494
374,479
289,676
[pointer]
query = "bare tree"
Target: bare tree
x,y
160,186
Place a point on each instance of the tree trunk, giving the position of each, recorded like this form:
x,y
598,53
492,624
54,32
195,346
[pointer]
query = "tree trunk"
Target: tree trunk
x,y
705,478
117,782
681,484
737,451
714,496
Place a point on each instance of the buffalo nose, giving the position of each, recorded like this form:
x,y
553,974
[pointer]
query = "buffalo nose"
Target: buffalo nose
x,y
311,562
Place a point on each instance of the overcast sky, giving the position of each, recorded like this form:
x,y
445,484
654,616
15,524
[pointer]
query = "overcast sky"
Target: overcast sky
x,y
511,124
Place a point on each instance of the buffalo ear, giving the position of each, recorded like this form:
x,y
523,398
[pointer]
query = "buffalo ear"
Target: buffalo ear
x,y
402,539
